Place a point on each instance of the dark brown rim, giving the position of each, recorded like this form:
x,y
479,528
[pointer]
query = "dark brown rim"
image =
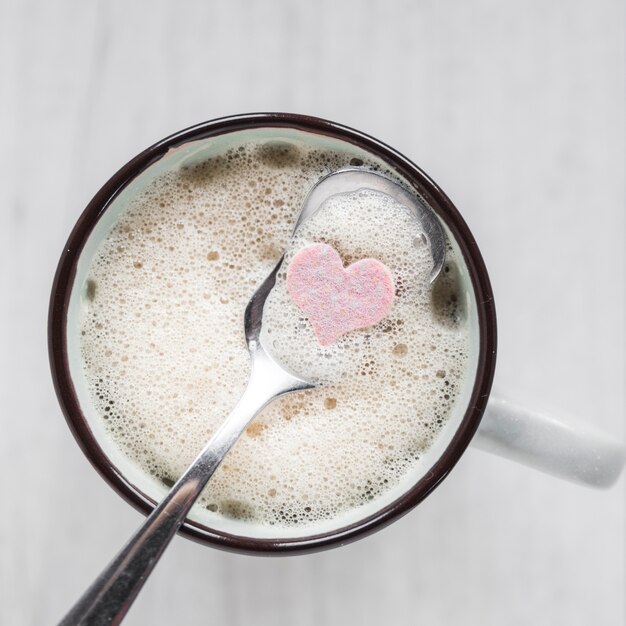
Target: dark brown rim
x,y
57,322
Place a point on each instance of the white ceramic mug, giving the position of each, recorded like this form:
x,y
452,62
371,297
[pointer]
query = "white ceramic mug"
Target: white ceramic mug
x,y
568,450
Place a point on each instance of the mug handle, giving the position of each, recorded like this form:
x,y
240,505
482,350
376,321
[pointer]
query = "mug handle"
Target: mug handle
x,y
574,451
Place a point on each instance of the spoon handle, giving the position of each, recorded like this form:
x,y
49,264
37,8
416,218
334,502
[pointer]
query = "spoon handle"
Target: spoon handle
x,y
111,595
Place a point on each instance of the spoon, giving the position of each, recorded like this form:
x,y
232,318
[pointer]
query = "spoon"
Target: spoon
x,y
110,596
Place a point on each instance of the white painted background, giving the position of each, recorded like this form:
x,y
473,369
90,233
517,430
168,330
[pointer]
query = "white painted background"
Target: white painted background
x,y
516,108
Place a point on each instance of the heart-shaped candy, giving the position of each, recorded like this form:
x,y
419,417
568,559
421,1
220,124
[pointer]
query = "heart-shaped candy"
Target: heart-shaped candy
x,y
335,299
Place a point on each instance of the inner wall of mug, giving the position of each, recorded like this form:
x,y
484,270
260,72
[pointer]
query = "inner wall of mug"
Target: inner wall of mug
x,y
148,486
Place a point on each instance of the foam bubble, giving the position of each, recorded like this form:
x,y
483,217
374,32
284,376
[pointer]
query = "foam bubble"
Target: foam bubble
x,y
165,357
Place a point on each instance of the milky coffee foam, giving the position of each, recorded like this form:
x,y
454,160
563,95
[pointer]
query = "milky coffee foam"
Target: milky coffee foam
x,y
165,357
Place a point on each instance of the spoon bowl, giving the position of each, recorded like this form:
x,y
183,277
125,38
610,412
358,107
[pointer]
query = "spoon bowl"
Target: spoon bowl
x,y
349,180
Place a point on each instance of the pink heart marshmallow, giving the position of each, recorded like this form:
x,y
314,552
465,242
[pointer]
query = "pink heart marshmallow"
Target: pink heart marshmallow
x,y
335,299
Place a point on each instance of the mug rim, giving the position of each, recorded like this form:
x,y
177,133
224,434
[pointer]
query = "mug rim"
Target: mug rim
x,y
485,308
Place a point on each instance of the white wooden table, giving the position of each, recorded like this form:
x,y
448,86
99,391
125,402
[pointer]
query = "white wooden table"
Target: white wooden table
x,y
515,108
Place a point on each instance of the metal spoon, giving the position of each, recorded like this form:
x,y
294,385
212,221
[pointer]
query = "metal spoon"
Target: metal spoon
x,y
108,599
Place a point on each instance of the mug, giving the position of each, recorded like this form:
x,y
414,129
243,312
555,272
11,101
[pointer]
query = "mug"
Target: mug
x,y
574,452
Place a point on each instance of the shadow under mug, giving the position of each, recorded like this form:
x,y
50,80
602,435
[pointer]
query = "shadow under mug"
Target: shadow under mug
x,y
573,452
